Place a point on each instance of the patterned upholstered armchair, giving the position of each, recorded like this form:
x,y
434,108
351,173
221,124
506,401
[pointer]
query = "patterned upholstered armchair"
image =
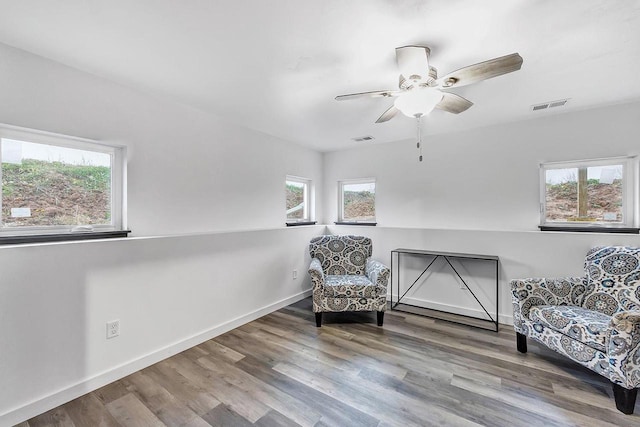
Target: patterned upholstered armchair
x,y
593,320
345,278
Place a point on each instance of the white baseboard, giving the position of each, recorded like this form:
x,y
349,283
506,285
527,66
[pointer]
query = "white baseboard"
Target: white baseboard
x,y
505,319
60,397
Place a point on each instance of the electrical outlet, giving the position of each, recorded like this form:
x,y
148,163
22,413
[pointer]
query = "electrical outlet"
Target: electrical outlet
x,y
295,274
113,329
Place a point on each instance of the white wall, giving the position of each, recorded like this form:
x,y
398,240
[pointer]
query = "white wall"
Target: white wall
x,y
478,192
483,179
188,171
522,254
169,293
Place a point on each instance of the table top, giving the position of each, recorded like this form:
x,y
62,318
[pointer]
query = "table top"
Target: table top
x,y
446,254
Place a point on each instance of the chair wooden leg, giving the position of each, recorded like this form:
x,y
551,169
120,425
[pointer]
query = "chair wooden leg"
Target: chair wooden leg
x,y
625,398
521,342
380,317
319,319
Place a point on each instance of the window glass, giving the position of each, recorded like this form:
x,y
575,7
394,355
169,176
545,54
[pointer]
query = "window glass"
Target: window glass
x,y
54,184
584,192
589,194
46,185
297,199
358,201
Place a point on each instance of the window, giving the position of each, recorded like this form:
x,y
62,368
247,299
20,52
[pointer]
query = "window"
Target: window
x,y
297,200
591,192
53,184
357,201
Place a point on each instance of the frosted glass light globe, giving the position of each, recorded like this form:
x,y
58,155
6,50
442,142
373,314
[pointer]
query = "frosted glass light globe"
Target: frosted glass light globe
x,y
418,102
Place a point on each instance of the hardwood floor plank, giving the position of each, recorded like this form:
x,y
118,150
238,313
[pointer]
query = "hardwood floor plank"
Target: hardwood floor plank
x,y
304,355
242,342
88,410
393,409
276,419
415,371
329,352
220,351
196,422
194,352
232,396
111,392
585,392
555,413
598,414
130,412
334,412
294,409
223,416
57,417
163,404
191,396
461,349
444,355
481,409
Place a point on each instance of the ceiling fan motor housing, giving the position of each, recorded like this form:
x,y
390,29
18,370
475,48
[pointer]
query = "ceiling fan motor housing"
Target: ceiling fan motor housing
x,y
413,63
417,80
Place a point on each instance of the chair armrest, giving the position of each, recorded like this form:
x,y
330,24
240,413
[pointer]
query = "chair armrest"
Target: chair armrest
x,y
531,292
317,276
623,350
378,273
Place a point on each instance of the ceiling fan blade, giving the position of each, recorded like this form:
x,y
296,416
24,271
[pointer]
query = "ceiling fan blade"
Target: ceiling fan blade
x,y
374,94
453,103
482,71
388,115
413,60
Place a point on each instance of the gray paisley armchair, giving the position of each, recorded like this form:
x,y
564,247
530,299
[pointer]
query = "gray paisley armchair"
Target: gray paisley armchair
x,y
593,320
345,278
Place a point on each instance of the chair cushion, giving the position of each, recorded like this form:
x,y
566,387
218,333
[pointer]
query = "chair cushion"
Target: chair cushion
x,y
613,279
587,326
341,254
349,286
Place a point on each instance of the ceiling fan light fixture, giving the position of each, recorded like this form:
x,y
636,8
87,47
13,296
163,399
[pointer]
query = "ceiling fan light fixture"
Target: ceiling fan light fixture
x,y
416,103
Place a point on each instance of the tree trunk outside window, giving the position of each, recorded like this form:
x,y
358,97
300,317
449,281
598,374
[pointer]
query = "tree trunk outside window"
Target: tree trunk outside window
x,y
582,192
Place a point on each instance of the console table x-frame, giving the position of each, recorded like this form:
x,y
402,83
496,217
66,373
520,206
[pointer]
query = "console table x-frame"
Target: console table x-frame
x,y
397,304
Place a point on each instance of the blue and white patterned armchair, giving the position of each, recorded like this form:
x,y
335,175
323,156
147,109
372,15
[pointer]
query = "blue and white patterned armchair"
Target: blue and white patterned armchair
x,y
593,320
345,278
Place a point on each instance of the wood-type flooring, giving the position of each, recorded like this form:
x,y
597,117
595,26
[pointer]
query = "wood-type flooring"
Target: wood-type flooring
x,y
281,370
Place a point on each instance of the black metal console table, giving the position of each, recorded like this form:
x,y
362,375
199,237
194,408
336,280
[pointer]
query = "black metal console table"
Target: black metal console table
x,y
397,304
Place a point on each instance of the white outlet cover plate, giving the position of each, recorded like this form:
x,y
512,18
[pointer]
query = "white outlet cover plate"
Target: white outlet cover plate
x,y
113,329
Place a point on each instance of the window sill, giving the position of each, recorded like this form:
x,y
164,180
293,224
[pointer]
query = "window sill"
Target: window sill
x,y
61,237
590,229
355,223
295,224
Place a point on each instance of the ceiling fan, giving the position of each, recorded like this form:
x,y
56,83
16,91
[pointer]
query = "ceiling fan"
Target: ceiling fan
x,y
420,90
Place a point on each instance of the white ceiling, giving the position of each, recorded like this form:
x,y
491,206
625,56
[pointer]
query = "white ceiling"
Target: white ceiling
x,y
276,66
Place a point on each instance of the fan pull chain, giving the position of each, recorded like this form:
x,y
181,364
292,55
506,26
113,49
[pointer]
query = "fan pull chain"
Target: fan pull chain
x,y
419,144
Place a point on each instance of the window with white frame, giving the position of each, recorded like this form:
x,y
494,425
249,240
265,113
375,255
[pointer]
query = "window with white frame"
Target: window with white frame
x,y
298,203
357,201
58,184
600,192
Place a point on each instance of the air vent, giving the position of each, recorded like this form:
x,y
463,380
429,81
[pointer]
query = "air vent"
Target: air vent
x,y
550,104
558,103
363,139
